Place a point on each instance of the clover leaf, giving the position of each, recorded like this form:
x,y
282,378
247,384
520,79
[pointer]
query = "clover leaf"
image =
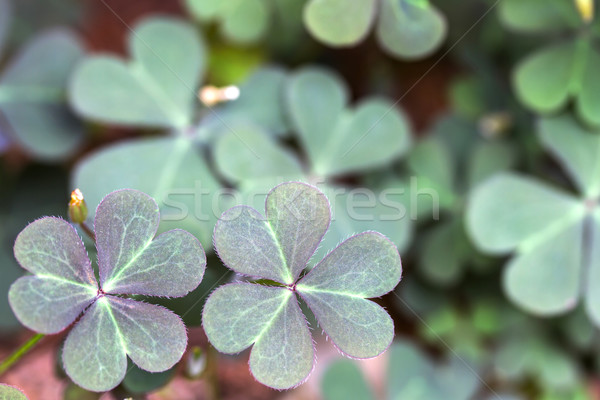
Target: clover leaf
x,y
131,262
339,141
8,392
539,16
450,161
170,169
546,80
241,21
32,95
157,88
553,234
408,29
278,248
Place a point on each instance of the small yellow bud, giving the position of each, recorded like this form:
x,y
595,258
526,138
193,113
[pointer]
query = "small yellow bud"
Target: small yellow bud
x,y
78,210
211,95
586,9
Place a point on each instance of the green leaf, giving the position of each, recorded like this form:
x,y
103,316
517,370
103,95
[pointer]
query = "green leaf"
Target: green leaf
x,y
241,21
11,393
132,261
261,100
339,23
434,168
372,135
577,149
588,102
339,140
63,284
489,158
510,211
531,355
544,226
384,210
169,169
245,21
157,88
32,92
366,265
538,16
592,300
410,31
343,380
239,315
246,154
204,9
411,375
316,99
546,278
544,80
445,252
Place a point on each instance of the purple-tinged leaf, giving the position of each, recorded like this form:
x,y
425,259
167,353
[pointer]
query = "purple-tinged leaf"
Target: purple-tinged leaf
x,y
299,215
172,265
49,305
358,327
125,223
63,284
365,265
50,247
131,262
153,337
246,243
94,356
238,315
279,246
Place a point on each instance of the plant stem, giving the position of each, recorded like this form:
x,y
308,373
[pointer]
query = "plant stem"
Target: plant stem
x,y
88,231
19,353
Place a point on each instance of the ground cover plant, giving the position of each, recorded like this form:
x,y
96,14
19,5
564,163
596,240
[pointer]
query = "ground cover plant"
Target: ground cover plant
x,y
324,199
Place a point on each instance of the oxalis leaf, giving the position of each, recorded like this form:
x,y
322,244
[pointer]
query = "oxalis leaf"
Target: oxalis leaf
x,y
278,247
340,140
33,92
11,393
157,88
555,235
8,392
131,262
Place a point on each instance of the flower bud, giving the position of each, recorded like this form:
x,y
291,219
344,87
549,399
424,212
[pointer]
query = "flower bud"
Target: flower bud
x,y
78,210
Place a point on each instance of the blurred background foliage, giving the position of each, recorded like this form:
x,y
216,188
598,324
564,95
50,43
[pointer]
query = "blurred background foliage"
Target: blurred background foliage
x,y
493,106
